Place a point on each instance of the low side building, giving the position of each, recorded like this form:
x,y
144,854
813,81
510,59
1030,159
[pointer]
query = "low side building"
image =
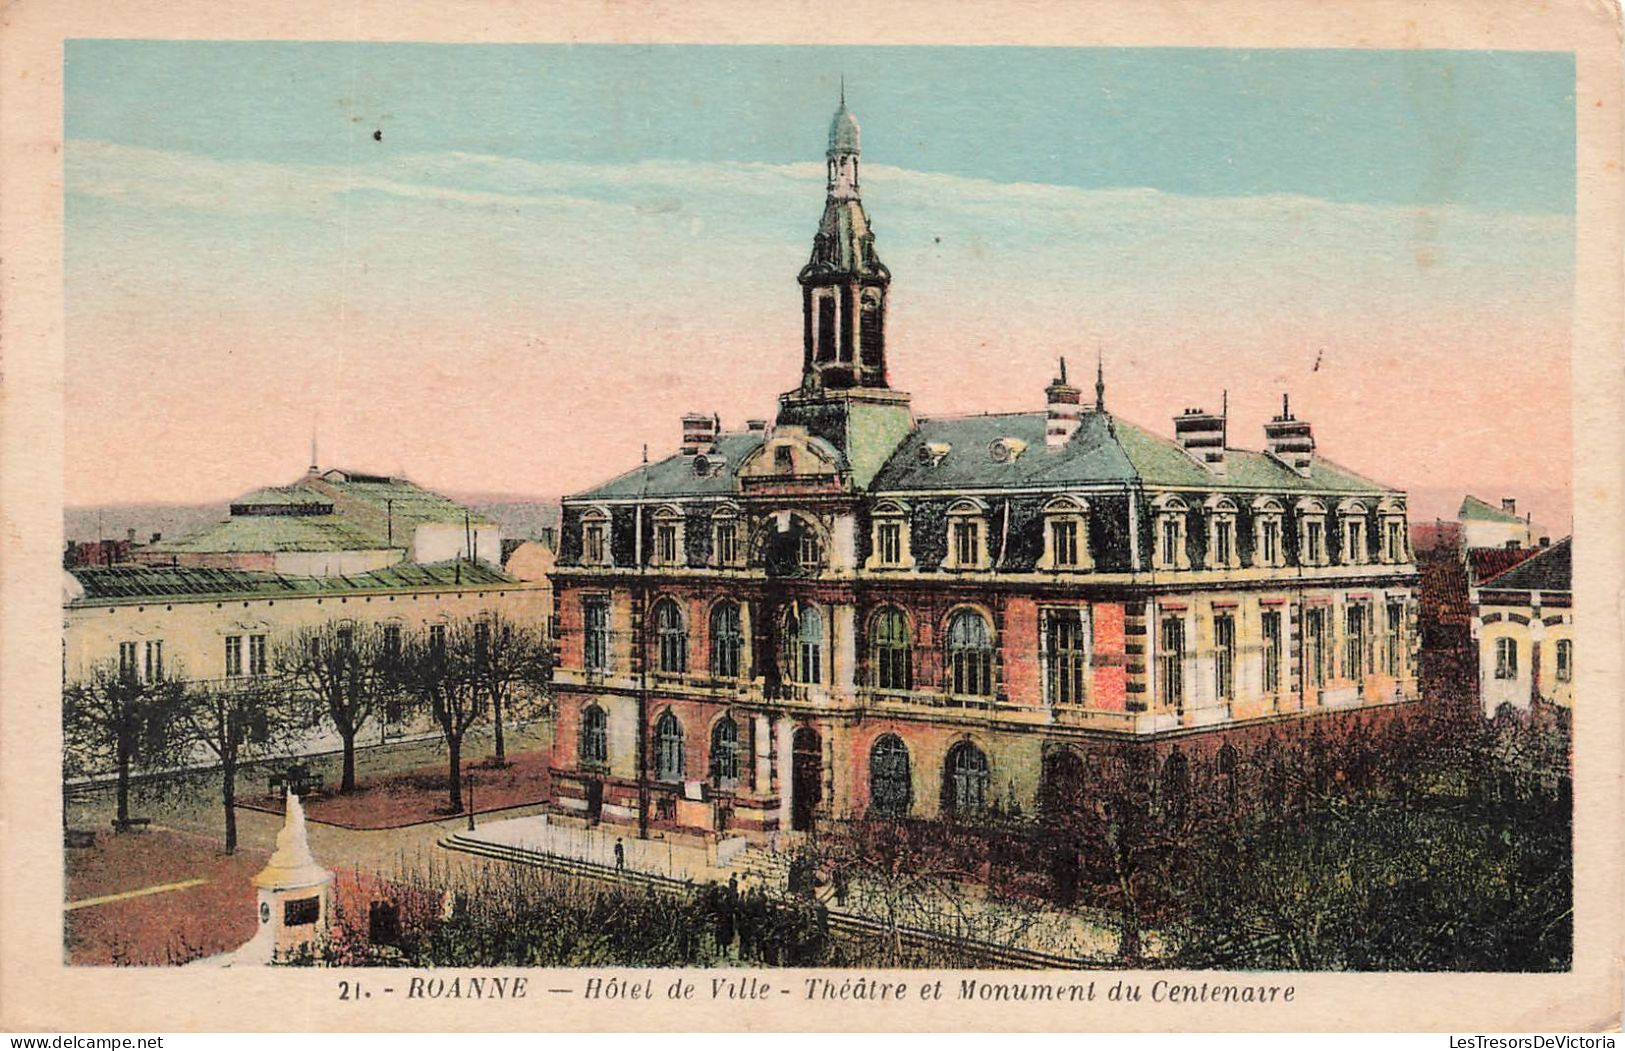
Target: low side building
x,y
1483,525
1523,621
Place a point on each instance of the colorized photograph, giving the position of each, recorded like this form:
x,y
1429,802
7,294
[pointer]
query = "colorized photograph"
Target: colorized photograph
x,y
818,506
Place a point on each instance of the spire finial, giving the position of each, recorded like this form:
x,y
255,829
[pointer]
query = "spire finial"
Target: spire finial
x,y
1286,408
313,461
843,90
1100,379
1063,368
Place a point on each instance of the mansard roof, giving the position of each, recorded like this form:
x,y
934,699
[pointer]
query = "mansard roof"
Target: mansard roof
x,y
675,475
1104,450
101,585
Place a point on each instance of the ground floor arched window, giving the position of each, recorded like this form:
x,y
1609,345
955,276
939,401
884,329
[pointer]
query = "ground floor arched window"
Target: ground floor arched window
x,y
725,753
594,747
965,779
890,785
669,748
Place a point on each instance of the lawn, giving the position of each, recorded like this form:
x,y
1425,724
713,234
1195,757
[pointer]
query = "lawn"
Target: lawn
x,y
416,796
167,926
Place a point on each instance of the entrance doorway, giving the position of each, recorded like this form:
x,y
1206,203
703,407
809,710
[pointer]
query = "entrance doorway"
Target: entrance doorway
x,y
595,801
806,777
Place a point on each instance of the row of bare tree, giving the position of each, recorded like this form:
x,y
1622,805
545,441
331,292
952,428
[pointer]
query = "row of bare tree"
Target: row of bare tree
x,y
461,674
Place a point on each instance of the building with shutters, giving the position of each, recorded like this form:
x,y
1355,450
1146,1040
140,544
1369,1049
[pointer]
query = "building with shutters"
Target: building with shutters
x,y
850,609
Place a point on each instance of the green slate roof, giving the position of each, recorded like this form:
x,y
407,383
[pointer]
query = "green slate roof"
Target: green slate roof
x,y
348,528
1475,510
121,583
406,500
674,476
283,495
1105,449
1550,570
250,533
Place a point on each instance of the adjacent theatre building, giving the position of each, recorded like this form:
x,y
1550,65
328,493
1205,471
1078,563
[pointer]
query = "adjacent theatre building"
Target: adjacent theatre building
x,y
852,610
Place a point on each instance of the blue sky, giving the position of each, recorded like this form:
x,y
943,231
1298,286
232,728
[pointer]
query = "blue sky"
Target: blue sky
x,y
1486,129
556,251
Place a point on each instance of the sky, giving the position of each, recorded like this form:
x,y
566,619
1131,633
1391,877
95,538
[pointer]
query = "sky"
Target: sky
x,y
505,269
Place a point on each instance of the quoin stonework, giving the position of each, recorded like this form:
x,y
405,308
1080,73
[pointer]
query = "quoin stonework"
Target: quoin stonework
x,y
850,609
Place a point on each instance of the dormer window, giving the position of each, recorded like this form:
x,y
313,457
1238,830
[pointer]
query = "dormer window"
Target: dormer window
x,y
1395,542
1066,535
967,530
1269,550
669,537
1312,533
889,538
725,547
595,538
1352,520
1171,552
1221,534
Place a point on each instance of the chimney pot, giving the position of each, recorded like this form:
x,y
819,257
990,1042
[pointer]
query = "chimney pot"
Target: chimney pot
x,y
1509,505
699,432
1064,410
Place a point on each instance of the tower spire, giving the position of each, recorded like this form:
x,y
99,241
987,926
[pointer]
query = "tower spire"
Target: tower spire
x,y
1100,380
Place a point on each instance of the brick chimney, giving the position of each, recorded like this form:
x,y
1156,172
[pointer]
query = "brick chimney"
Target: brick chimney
x,y
1201,435
1509,505
1289,440
699,432
1063,408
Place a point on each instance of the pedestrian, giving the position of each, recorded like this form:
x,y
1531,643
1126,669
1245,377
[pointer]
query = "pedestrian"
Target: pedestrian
x,y
620,856
840,887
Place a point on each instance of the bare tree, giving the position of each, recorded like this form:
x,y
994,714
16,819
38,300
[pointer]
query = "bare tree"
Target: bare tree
x,y
440,669
237,720
341,668
121,719
514,666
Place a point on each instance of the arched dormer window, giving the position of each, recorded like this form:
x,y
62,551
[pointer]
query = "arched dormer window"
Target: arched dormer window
x,y
967,536
1223,550
595,537
1269,538
669,537
1312,546
889,540
1170,548
727,552
1066,535
1395,539
891,650
1352,520
669,747
672,635
970,654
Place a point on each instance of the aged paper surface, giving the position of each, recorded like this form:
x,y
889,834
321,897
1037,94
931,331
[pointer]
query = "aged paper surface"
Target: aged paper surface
x,y
219,407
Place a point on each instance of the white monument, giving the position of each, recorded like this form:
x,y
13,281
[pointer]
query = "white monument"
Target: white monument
x,y
295,897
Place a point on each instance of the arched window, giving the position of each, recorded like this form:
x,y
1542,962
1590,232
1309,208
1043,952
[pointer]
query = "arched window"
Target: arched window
x,y
890,651
673,637
970,654
726,640
725,753
595,538
804,645
594,746
966,779
669,747
890,787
